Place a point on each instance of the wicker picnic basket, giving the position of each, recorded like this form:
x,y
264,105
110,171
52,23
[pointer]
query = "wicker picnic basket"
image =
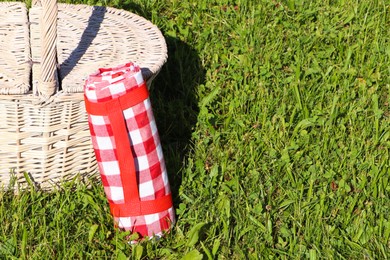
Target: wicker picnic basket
x,y
46,54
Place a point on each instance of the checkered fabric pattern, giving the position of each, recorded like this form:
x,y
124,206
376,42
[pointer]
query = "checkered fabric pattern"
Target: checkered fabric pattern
x,y
128,150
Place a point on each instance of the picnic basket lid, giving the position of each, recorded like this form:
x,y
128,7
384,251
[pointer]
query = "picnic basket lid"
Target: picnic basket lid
x,y
69,42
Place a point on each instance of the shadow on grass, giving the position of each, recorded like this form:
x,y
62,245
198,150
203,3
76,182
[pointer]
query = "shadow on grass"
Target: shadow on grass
x,y
175,104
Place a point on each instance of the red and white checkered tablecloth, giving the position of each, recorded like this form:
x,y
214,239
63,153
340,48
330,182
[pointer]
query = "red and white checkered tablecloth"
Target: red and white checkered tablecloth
x,y
128,150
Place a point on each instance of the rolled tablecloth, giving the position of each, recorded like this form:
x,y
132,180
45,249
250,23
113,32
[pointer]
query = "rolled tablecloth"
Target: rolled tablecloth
x,y
128,150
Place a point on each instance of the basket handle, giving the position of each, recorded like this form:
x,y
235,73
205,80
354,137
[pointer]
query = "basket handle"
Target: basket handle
x,y
48,82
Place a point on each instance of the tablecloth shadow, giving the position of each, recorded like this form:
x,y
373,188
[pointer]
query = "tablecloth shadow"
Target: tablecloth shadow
x,y
175,106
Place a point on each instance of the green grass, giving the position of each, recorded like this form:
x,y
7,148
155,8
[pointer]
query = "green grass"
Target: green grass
x,y
274,118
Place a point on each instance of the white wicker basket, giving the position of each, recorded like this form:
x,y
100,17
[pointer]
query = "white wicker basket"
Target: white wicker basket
x,y
44,128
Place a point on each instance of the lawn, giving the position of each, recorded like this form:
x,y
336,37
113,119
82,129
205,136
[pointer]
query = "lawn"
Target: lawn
x,y
274,119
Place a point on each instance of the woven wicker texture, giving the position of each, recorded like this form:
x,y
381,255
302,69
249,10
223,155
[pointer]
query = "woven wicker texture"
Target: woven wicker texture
x,y
102,37
51,143
14,48
45,133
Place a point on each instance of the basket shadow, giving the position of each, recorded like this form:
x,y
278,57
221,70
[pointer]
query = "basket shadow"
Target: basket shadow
x,y
175,106
89,34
